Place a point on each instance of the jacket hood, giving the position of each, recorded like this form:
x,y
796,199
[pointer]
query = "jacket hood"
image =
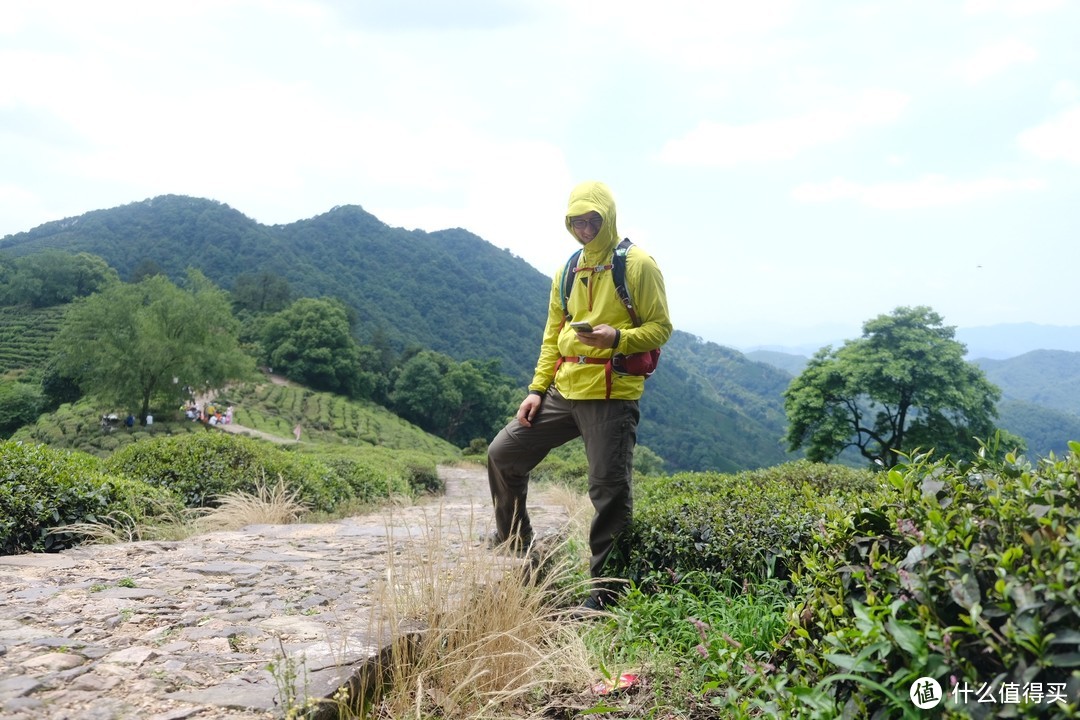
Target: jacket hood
x,y
590,196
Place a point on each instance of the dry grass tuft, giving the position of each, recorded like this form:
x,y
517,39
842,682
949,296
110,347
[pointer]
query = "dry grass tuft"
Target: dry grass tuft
x,y
165,524
577,504
277,506
496,639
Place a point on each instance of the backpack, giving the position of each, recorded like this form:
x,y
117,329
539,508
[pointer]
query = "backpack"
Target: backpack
x,y
643,363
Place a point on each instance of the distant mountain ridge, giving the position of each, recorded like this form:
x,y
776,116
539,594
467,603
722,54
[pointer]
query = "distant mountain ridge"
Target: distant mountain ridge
x,y
707,408
1009,340
1050,378
1040,394
994,342
439,290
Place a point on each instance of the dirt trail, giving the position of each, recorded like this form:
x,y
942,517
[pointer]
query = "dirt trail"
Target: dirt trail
x,y
194,629
202,400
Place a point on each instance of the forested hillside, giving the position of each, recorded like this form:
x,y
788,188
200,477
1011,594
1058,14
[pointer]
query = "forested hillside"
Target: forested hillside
x,y
25,335
708,407
448,291
1050,378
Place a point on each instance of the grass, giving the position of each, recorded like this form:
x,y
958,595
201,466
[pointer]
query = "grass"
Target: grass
x,y
492,633
485,635
267,506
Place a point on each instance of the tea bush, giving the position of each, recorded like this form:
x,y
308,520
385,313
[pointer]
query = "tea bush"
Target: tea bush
x,y
969,574
749,524
43,488
377,473
200,466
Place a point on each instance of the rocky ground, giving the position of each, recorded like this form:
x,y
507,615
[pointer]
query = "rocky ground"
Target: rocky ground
x,y
217,625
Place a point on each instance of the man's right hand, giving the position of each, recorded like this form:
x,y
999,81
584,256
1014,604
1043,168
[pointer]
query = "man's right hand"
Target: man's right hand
x,y
528,409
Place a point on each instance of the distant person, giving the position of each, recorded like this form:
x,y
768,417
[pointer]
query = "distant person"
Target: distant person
x,y
296,432
149,419
229,415
130,421
577,390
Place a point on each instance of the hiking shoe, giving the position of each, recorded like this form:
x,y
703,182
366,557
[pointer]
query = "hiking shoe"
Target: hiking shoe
x,y
591,609
514,545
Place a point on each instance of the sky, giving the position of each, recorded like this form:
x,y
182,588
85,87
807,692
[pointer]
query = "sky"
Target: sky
x,y
795,168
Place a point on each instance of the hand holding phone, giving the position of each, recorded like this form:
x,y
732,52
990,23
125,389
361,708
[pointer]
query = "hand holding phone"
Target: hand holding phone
x,y
581,327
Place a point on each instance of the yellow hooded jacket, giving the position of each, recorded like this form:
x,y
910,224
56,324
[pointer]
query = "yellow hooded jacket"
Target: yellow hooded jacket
x,y
593,299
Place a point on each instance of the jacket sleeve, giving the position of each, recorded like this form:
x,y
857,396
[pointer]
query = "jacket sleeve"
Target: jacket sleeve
x,y
544,373
646,284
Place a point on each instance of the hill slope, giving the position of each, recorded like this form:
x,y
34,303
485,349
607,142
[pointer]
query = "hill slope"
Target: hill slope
x,y
449,291
708,407
25,336
1050,378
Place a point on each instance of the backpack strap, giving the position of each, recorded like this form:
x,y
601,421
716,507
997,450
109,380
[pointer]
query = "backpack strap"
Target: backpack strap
x,y
568,284
618,274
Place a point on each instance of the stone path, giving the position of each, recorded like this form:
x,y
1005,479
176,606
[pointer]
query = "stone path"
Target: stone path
x,y
174,630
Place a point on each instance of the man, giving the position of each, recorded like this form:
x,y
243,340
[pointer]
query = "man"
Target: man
x,y
574,391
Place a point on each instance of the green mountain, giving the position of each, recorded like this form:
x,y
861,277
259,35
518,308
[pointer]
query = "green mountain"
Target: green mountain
x,y
1050,378
1044,429
788,362
449,291
1040,394
708,407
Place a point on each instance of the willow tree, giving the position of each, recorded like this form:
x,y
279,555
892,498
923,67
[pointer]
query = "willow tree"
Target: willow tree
x,y
904,385
131,345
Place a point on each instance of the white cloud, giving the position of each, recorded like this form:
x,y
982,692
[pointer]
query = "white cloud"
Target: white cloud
x,y
994,59
1056,139
1065,92
721,144
693,34
928,191
1011,7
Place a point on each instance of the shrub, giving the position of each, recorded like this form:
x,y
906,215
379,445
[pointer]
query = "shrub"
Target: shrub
x,y
201,466
969,575
43,488
749,524
565,465
20,404
423,475
368,478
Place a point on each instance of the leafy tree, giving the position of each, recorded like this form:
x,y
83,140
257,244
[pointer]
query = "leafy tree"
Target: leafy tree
x,y
52,277
134,344
456,401
20,404
147,267
903,385
57,387
261,292
310,342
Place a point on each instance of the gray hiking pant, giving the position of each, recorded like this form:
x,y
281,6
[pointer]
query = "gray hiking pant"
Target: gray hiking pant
x,y
609,431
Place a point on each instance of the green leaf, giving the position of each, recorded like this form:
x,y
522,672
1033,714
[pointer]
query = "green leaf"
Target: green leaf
x,y
931,487
907,637
964,590
917,554
1068,635
1063,660
601,708
852,663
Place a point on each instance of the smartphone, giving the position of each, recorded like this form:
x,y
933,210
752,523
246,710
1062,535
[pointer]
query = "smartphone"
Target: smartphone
x,y
581,327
